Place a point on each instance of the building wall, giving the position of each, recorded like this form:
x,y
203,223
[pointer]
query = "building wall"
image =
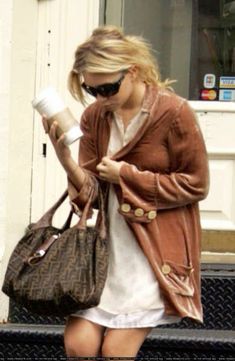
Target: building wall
x,y
20,68
5,36
18,21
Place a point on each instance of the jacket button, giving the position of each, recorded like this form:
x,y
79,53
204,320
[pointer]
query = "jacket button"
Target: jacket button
x,y
152,214
139,212
125,207
166,269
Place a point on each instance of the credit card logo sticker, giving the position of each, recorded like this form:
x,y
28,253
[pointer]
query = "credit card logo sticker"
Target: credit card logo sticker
x,y
208,94
227,95
209,81
227,82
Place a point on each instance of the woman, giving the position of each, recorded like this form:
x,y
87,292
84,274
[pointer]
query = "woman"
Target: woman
x,y
144,141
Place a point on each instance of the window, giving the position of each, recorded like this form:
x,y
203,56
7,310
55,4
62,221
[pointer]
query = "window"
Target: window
x,y
194,41
213,51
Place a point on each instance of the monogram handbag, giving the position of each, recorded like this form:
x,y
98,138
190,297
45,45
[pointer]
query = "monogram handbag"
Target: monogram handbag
x,y
56,271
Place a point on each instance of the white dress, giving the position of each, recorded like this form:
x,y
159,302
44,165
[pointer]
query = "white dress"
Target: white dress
x,y
131,296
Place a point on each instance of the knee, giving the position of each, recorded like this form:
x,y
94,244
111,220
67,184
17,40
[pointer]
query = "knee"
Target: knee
x,y
76,348
110,349
71,345
113,347
78,342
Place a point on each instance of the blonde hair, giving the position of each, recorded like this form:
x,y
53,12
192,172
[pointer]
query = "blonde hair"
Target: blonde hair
x,y
108,50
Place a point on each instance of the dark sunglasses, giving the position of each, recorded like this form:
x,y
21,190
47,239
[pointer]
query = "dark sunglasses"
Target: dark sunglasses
x,y
105,90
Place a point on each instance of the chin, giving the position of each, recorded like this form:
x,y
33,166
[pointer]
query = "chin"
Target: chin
x,y
111,107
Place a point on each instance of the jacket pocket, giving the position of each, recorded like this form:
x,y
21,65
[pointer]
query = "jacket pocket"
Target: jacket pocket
x,y
179,277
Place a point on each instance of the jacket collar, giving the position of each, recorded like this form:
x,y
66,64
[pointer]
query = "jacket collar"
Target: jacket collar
x,y
150,98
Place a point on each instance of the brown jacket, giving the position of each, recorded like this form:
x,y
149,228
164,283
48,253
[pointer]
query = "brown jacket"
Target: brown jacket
x,y
164,176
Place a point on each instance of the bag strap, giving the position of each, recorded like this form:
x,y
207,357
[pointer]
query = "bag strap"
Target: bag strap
x,y
46,219
82,223
101,219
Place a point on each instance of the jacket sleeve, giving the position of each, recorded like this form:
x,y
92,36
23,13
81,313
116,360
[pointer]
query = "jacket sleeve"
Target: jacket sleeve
x,y
87,160
187,182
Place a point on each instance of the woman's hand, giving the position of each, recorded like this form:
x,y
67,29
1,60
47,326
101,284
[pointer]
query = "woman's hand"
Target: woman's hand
x,y
62,151
74,172
109,170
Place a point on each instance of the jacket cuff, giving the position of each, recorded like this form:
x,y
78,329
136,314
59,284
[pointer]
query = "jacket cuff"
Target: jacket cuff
x,y
78,199
138,197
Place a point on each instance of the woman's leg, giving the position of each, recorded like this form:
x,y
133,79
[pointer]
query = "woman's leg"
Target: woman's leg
x,y
123,342
82,338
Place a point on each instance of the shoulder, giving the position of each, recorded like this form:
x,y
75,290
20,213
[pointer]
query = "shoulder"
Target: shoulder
x,y
160,100
163,104
183,117
177,106
173,110
171,101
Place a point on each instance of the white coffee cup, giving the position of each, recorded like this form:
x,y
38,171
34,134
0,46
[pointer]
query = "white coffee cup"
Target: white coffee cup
x,y
49,104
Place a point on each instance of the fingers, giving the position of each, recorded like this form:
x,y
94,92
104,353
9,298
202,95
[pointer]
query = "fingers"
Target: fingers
x,y
61,149
60,141
52,131
107,169
105,164
101,167
45,124
106,160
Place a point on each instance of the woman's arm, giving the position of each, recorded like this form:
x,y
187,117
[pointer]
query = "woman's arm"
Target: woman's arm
x,y
189,177
74,172
80,182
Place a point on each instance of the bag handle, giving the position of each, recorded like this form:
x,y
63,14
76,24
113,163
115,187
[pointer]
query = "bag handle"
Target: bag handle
x,y
46,219
100,221
101,218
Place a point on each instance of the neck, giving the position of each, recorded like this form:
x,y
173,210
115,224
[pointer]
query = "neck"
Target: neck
x,y
136,99
133,105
